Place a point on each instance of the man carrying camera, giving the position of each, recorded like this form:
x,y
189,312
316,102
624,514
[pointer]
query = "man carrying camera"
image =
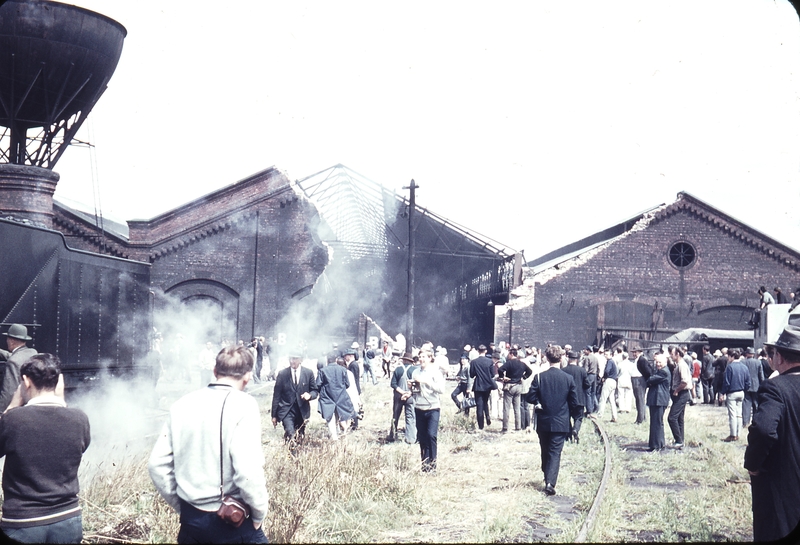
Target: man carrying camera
x,y
210,451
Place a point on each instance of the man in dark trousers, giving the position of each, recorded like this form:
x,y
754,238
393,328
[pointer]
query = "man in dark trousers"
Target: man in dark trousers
x,y
481,369
403,400
555,396
773,442
639,383
581,379
258,344
294,388
351,363
590,364
756,378
707,375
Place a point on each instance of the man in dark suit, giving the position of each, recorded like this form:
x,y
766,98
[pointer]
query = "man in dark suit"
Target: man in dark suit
x,y
481,369
18,353
582,384
555,396
773,442
294,388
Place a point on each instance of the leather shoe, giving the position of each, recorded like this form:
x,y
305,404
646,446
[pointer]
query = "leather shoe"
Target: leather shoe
x,y
550,490
729,439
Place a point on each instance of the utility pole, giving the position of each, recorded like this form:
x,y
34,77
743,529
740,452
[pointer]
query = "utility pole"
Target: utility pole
x,y
410,307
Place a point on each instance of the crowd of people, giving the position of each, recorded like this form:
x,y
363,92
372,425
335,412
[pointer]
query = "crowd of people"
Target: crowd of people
x,y
208,461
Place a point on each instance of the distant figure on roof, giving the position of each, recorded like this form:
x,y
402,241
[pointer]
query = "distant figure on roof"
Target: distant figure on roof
x,y
766,297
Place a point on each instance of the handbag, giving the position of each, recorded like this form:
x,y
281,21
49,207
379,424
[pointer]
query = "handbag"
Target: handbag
x,y
468,403
232,511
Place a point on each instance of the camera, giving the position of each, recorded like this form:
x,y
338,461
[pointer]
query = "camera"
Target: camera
x,y
413,385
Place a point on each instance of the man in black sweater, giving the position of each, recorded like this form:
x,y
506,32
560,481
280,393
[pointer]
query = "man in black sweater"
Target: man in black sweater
x,y
43,441
512,373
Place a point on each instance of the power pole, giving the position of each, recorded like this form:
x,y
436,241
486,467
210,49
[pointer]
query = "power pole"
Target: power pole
x,y
410,308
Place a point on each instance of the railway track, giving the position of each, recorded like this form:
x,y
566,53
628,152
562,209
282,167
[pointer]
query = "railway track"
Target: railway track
x,y
591,517
699,493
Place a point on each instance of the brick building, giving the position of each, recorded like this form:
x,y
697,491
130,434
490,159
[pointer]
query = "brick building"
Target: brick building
x,y
239,255
310,259
672,267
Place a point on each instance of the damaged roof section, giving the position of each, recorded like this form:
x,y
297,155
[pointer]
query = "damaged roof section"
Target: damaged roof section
x,y
557,262
365,218
593,242
457,271
354,209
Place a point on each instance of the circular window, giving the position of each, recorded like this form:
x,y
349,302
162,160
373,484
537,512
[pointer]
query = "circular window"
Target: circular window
x,y
682,255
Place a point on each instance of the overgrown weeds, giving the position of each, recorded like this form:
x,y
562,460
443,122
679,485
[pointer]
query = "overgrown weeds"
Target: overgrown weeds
x,y
487,488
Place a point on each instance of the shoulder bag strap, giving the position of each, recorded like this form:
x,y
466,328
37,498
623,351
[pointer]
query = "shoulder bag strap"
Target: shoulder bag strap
x,y
221,494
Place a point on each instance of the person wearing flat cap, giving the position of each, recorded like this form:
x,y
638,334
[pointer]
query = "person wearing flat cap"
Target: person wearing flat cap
x,y
403,400
18,353
772,456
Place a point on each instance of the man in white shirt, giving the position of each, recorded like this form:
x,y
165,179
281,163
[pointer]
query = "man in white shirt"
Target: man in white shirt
x,y
189,470
681,385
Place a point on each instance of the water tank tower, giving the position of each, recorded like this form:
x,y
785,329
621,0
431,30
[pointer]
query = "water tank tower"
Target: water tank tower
x,y
55,63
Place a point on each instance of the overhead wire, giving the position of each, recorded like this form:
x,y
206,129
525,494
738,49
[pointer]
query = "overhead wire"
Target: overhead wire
x,y
98,207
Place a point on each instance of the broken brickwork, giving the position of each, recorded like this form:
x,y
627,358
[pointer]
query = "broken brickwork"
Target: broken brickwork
x,y
631,286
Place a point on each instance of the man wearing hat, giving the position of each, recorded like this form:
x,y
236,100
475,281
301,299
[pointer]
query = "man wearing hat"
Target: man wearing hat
x,y
403,401
773,447
351,362
18,353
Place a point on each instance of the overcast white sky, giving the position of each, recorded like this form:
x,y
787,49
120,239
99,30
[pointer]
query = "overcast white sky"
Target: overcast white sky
x,y
533,123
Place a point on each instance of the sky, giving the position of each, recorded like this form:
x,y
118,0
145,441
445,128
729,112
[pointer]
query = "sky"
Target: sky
x,y
533,124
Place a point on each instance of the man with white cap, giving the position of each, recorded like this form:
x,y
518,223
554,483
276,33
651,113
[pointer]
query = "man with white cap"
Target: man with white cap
x,y
773,442
18,353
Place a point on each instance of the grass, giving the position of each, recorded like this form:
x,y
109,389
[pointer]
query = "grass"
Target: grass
x,y
699,494
488,486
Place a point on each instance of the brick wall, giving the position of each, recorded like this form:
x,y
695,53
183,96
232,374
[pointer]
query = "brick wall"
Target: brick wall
x,y
265,255
250,247
631,282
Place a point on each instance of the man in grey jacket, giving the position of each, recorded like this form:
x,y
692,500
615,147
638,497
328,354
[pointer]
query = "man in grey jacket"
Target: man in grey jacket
x,y
189,470
756,370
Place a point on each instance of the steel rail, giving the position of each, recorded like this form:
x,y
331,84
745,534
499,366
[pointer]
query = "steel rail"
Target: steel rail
x,y
591,517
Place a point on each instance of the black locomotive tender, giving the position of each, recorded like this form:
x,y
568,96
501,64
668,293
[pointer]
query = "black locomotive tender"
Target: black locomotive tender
x,y
93,311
